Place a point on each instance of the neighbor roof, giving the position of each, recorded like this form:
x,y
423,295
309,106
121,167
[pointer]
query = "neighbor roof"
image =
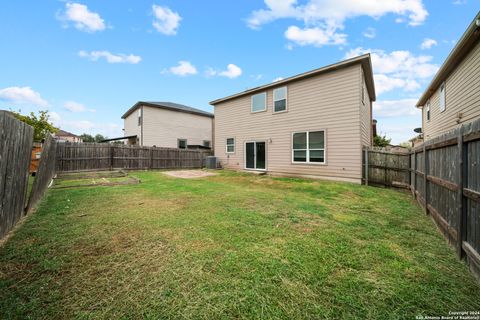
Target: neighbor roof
x,y
463,47
63,133
169,106
364,60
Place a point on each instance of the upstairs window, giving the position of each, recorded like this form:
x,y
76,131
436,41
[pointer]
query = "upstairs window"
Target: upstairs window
x,y
139,117
427,111
182,143
230,148
442,97
308,147
259,102
280,99
206,143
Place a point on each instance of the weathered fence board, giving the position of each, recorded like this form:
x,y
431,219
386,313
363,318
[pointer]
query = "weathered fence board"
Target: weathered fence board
x,y
16,140
444,176
71,157
45,172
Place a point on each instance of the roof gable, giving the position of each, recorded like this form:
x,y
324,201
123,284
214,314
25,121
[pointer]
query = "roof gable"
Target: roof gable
x,y
363,60
168,106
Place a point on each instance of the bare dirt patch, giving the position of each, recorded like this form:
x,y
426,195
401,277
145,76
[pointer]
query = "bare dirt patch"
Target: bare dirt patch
x,y
189,174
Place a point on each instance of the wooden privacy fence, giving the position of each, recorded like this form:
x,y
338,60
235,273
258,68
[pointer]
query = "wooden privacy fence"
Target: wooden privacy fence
x,y
444,176
72,157
45,172
16,140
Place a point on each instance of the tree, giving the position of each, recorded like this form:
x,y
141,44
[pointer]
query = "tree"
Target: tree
x,y
87,137
41,124
100,138
381,141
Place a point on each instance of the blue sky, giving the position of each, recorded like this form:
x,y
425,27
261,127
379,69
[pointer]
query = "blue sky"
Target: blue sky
x,y
88,61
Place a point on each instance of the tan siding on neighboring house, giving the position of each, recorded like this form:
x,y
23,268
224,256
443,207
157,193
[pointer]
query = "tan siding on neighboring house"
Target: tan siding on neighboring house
x,y
163,127
130,124
328,101
462,88
365,114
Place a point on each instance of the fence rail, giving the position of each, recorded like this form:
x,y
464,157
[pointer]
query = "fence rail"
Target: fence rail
x,y
16,139
444,176
71,157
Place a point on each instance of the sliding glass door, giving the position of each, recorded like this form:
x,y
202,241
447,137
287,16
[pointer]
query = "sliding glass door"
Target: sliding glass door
x,y
255,155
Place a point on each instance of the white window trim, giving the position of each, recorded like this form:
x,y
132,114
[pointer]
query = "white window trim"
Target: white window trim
x,y
444,97
286,99
186,143
255,155
265,104
308,162
226,146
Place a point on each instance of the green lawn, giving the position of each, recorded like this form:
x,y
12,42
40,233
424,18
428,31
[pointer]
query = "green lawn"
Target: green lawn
x,y
231,246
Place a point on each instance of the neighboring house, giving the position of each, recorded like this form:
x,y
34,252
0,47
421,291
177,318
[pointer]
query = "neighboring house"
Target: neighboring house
x,y
167,124
65,136
314,124
453,96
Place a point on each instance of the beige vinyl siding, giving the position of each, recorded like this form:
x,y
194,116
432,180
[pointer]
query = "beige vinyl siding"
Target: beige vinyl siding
x,y
462,95
365,114
130,124
327,102
163,128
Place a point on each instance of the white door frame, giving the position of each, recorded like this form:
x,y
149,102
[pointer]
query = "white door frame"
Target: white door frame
x,y
254,154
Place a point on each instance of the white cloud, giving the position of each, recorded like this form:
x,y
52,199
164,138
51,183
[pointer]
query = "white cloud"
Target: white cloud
x,y
397,69
110,57
166,21
76,107
85,126
82,18
277,79
336,12
22,95
184,68
428,43
395,108
458,2
231,72
369,33
54,118
322,18
315,36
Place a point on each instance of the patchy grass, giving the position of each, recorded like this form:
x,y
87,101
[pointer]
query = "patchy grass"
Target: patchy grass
x,y
230,246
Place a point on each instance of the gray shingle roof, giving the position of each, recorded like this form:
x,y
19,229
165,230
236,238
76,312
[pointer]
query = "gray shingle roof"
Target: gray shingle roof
x,y
167,105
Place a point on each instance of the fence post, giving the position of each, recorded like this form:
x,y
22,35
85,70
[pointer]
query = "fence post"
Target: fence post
x,y
414,182
425,180
366,166
151,158
111,156
462,179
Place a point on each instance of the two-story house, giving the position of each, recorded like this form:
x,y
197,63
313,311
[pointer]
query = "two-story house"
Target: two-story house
x,y
167,124
314,124
453,96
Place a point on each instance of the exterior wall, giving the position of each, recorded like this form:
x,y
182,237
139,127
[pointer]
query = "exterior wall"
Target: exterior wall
x,y
131,127
329,101
68,139
365,113
163,128
462,89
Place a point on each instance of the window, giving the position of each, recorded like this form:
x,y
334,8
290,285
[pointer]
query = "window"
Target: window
x,y
139,117
280,99
230,145
182,143
442,97
427,111
259,102
308,147
206,143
